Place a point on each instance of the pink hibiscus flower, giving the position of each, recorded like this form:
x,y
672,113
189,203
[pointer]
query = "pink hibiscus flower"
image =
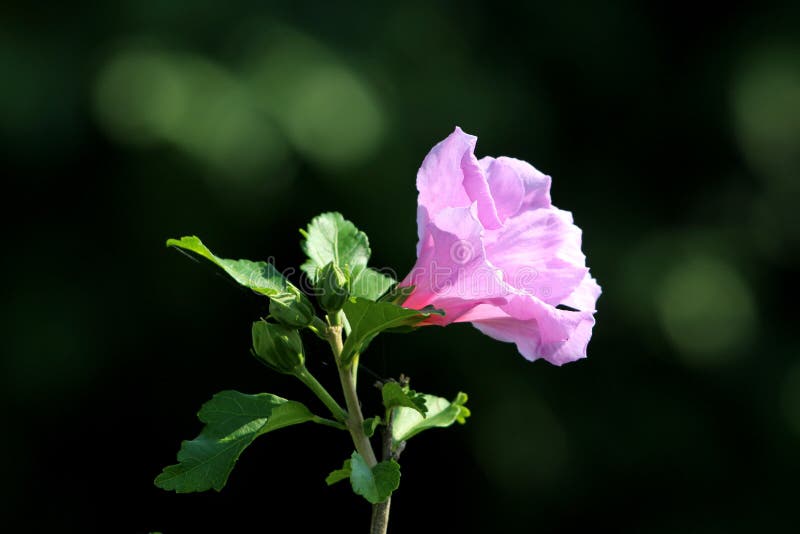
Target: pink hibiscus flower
x,y
493,251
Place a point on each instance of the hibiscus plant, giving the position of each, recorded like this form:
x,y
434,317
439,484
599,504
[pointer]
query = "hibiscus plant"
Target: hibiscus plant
x,y
493,251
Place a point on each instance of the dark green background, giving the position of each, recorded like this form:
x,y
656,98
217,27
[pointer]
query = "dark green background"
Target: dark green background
x,y
671,130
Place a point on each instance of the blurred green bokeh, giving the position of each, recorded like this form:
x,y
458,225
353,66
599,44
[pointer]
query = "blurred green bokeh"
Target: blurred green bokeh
x,y
672,132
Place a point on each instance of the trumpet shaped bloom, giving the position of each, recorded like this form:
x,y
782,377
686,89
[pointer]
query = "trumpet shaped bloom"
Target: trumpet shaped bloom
x,y
495,252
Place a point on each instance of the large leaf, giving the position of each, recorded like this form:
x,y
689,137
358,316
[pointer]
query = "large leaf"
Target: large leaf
x,y
375,484
233,420
368,319
332,238
260,276
408,422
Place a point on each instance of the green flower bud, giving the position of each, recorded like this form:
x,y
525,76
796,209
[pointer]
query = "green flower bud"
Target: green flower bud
x,y
334,286
292,309
277,346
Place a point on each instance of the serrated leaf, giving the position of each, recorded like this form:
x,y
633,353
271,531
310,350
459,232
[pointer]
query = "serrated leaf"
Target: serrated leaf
x,y
260,276
368,319
370,425
394,395
407,422
332,238
371,284
232,421
339,474
376,484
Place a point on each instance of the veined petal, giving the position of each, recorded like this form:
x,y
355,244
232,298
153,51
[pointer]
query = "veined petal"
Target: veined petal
x,y
539,251
585,296
451,272
450,176
516,185
440,180
527,336
553,324
505,185
477,188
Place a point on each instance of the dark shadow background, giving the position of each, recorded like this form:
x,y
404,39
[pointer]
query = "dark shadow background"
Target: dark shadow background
x,y
671,130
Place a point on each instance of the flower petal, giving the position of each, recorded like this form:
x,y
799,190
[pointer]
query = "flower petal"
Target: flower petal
x,y
505,185
451,272
574,348
424,239
585,296
477,188
516,185
553,324
527,336
440,180
539,251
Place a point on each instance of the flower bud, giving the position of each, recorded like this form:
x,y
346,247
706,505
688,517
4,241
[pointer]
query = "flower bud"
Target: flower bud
x,y
277,346
334,286
292,309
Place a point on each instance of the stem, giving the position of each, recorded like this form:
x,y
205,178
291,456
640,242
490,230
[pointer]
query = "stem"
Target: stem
x,y
318,326
380,517
355,421
313,384
328,422
355,371
380,511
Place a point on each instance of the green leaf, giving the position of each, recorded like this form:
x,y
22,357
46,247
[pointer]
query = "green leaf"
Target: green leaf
x,y
370,425
260,276
376,484
232,421
368,319
331,238
398,295
339,474
371,284
407,422
395,395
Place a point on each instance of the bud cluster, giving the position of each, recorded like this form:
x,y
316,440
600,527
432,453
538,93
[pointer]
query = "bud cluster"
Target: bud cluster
x,y
277,342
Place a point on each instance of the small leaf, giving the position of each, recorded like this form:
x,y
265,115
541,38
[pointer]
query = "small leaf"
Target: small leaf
x,y
368,319
394,395
376,484
339,474
233,420
331,238
407,422
398,295
371,284
463,411
370,425
260,276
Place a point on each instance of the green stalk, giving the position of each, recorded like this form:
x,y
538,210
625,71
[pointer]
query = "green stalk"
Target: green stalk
x,y
355,421
319,390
